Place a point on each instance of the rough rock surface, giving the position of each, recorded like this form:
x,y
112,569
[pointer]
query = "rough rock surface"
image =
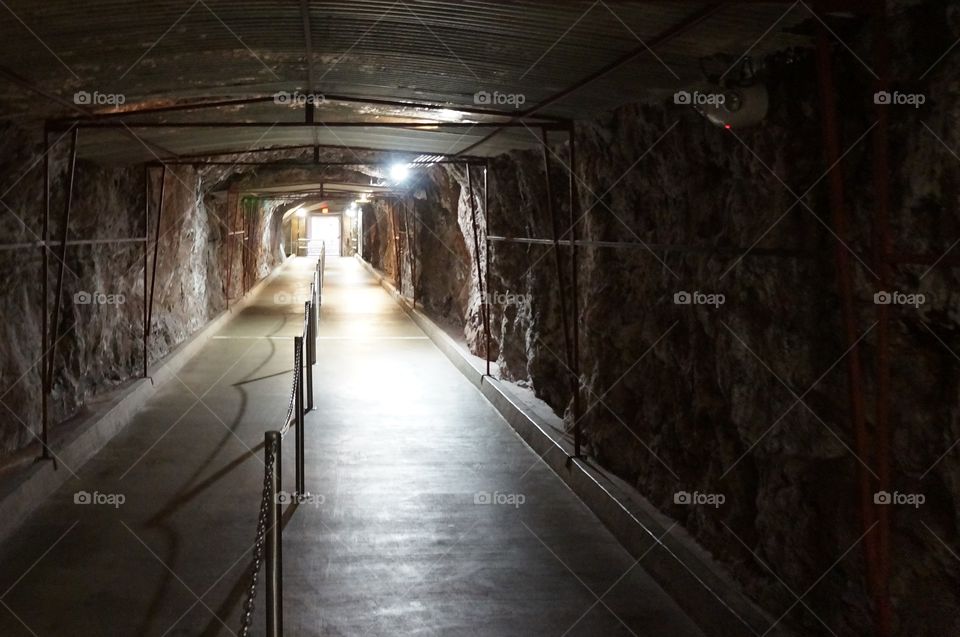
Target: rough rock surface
x,y
703,398
101,307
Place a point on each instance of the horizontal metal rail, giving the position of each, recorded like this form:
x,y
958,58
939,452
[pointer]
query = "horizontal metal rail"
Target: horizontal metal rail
x,y
70,242
427,125
657,247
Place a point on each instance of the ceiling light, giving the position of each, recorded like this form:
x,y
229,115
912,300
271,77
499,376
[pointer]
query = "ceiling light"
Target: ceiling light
x,y
449,115
399,172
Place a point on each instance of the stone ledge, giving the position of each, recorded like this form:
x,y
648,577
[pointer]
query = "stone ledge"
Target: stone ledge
x,y
26,489
712,600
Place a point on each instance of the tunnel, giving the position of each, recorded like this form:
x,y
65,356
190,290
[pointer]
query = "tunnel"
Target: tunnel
x,y
499,318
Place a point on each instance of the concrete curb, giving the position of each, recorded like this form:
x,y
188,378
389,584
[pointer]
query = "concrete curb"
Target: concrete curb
x,y
711,600
27,489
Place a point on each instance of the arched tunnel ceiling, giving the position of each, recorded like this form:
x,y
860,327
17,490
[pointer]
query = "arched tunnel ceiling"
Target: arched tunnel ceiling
x,y
425,51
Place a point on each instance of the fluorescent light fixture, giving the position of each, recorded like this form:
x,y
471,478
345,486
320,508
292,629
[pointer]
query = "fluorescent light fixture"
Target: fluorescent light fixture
x,y
449,115
399,172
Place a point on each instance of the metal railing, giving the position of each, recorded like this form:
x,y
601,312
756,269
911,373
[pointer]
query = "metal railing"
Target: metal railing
x,y
268,546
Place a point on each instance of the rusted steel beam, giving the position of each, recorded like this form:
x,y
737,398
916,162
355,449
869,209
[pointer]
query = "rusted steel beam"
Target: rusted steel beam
x,y
233,200
186,158
476,249
64,233
561,288
882,244
156,250
45,291
266,99
832,150
428,125
487,246
146,252
574,286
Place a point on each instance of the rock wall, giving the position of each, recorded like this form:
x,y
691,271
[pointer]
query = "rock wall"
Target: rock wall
x,y
435,259
745,399
101,307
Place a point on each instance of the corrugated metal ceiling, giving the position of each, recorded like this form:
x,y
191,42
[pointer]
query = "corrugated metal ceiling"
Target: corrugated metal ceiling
x,y
432,51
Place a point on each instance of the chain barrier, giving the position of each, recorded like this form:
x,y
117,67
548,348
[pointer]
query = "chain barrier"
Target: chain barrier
x,y
272,452
248,604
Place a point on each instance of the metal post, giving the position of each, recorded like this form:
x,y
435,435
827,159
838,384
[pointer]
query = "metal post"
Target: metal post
x,y
156,250
561,291
298,408
231,222
45,269
316,292
274,577
412,246
396,244
574,299
882,244
476,248
831,141
322,266
146,258
244,247
487,246
311,354
55,323
312,320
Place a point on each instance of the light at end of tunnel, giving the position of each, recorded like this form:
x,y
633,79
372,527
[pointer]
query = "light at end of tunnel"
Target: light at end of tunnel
x,y
399,172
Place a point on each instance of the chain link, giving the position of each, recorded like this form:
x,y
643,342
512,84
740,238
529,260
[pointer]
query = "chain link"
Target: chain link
x,y
271,456
249,602
297,372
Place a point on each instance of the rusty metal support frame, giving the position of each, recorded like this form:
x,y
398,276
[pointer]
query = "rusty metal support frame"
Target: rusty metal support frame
x,y
305,163
195,158
486,269
476,248
45,275
882,244
229,225
55,321
146,259
561,287
395,233
866,487
156,252
574,292
266,99
412,248
412,125
666,248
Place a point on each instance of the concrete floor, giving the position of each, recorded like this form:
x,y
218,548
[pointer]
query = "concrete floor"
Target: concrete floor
x,y
400,450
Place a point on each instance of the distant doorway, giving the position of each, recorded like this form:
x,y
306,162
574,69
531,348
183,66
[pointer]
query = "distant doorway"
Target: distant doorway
x,y
324,229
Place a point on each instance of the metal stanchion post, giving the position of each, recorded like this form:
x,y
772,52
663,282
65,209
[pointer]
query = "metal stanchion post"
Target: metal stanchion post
x,y
298,414
271,446
309,355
